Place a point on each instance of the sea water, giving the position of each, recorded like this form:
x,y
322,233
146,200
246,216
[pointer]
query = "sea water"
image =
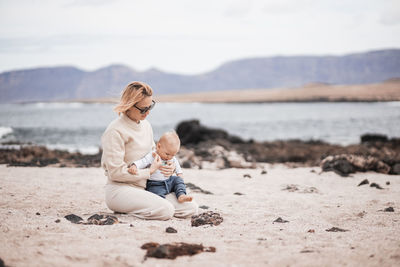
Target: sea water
x,y
78,126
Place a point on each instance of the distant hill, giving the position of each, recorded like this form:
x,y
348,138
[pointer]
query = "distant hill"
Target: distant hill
x,y
63,83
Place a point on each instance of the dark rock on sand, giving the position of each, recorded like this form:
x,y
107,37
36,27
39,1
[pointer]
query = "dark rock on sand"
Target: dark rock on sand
x,y
170,230
197,189
395,169
387,183
389,209
191,132
263,172
95,219
205,218
73,218
363,182
345,164
102,219
291,188
2,264
204,207
39,156
377,186
246,175
336,229
171,251
238,194
280,220
57,221
373,138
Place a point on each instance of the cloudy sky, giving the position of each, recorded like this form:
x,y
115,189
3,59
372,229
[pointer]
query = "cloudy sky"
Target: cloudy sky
x,y
188,37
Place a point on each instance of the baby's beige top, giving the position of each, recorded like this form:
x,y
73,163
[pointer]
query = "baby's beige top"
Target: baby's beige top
x,y
123,142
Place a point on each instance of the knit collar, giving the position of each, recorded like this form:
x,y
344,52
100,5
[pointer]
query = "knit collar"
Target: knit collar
x,y
130,122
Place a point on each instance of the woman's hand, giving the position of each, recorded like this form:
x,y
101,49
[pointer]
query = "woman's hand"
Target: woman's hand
x,y
169,169
156,164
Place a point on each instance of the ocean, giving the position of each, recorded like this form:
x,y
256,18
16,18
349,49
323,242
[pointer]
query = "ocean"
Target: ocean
x,y
79,126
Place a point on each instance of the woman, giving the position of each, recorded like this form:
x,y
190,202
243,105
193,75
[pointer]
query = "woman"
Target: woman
x,y
129,138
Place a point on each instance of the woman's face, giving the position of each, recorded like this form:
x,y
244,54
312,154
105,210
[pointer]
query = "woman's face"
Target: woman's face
x,y
134,113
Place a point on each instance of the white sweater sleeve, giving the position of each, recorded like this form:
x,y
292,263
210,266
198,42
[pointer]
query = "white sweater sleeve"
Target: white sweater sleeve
x,y
113,160
145,161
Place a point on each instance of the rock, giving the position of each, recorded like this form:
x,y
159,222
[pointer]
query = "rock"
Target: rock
x,y
389,209
208,217
37,213
373,138
191,132
238,193
339,166
246,175
95,219
263,172
280,220
387,183
310,190
311,231
336,229
57,221
102,219
377,186
73,218
363,182
204,207
197,189
171,251
345,164
395,169
170,230
291,188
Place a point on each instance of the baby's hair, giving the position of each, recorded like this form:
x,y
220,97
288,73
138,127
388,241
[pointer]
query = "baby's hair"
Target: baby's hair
x,y
171,137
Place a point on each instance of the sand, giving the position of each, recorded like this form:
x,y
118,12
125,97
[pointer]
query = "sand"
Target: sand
x,y
246,237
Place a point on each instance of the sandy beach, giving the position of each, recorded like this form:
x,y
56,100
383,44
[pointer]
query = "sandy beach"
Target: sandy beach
x,y
33,199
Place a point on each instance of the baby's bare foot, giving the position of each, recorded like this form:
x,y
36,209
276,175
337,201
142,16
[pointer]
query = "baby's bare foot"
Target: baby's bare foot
x,y
184,198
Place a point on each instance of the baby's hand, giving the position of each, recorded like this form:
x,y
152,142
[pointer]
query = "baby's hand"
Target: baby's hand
x,y
133,169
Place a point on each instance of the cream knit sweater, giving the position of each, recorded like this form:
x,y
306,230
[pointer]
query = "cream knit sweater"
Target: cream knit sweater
x,y
123,142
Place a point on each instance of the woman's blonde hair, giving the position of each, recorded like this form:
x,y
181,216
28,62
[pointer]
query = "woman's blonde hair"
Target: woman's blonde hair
x,y
132,94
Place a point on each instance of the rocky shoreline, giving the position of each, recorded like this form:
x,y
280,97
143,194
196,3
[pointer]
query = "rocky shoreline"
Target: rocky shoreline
x,y
207,148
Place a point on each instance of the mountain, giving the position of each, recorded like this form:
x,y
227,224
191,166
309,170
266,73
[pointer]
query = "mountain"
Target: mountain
x,y
62,83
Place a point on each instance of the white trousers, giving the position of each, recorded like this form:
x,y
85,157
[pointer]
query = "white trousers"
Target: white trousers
x,y
146,205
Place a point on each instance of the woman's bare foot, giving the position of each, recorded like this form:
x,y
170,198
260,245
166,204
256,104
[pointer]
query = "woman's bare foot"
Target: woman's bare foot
x,y
184,198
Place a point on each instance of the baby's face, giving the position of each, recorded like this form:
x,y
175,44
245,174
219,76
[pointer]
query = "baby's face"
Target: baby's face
x,y
166,151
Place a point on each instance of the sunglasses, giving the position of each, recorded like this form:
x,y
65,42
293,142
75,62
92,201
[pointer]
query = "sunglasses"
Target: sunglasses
x,y
145,109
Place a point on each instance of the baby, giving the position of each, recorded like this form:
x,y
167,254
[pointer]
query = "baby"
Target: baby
x,y
166,149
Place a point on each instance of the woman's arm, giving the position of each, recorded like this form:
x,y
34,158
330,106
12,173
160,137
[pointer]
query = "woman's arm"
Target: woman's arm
x,y
113,160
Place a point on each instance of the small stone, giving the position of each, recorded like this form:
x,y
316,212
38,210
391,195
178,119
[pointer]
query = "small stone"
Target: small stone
x,y
363,182
37,213
389,209
387,183
311,231
238,193
57,221
208,217
204,207
73,218
170,230
171,251
280,220
336,229
131,225
246,175
376,185
263,172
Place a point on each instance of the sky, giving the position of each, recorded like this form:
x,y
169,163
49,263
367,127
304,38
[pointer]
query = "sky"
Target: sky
x,y
188,37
